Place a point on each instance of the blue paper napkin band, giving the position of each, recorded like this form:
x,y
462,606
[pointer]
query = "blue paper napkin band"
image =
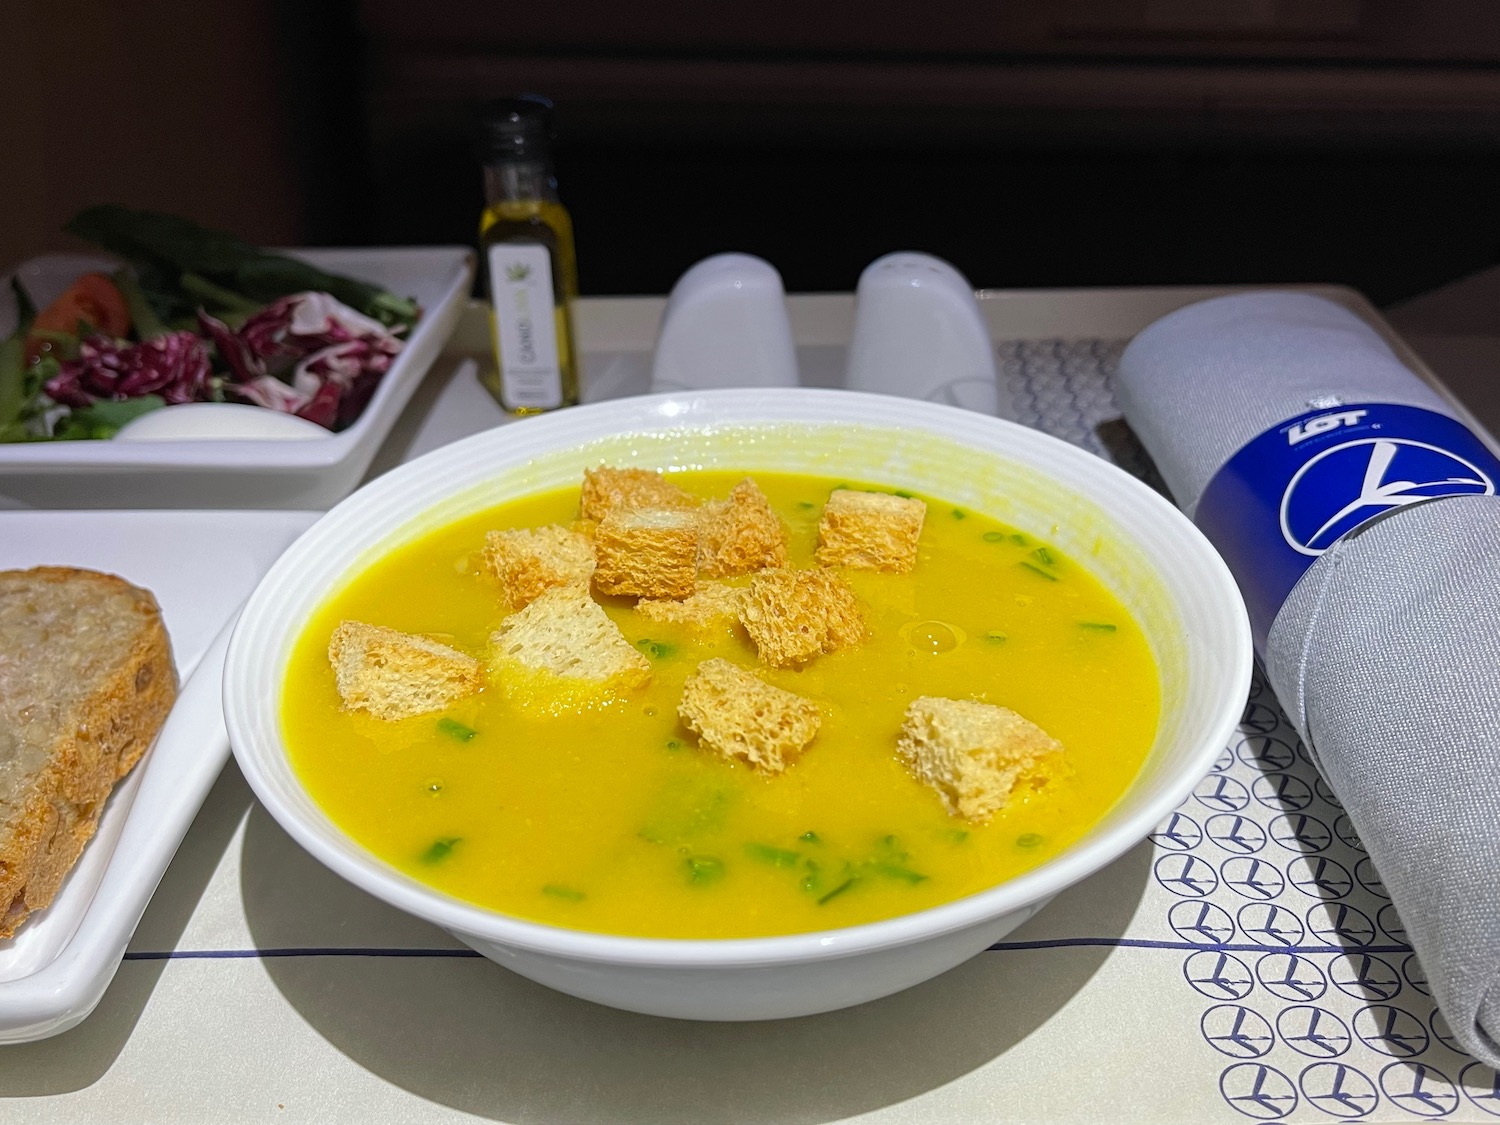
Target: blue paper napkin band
x,y
1297,488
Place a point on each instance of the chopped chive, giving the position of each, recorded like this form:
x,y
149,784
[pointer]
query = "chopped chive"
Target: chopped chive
x,y
903,494
993,537
441,849
896,871
806,505
674,744
995,637
657,650
1044,556
959,513
958,835
810,837
1097,626
567,894
1038,570
454,729
1030,840
704,869
1018,539
777,857
838,890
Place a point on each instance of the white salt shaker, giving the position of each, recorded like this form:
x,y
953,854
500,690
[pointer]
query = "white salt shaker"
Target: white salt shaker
x,y
725,326
918,333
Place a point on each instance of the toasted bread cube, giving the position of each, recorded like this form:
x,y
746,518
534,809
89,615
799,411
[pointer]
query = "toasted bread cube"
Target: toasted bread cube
x,y
526,561
739,715
710,605
607,490
740,535
870,531
395,675
647,552
795,615
974,754
562,652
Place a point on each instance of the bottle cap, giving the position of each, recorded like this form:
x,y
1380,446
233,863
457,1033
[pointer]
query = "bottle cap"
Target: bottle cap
x,y
513,129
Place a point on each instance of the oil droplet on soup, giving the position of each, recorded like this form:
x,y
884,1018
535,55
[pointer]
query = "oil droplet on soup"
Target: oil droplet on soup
x,y
615,820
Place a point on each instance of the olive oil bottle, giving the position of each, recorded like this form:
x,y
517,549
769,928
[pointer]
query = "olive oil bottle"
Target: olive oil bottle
x,y
526,242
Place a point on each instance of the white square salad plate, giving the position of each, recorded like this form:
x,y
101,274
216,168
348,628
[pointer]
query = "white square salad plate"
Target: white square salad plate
x,y
201,566
224,473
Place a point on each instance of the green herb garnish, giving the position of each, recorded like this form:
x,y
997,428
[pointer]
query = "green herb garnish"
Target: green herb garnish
x,y
806,505
455,729
1018,539
441,849
656,650
567,894
838,890
704,869
1044,556
674,744
1097,626
904,494
1038,570
1030,840
994,537
995,637
777,857
810,837
959,514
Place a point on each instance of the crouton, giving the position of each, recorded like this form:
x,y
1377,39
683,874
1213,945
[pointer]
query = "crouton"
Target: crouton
x,y
395,675
739,715
870,531
648,552
608,490
711,604
562,652
526,561
795,615
740,535
974,754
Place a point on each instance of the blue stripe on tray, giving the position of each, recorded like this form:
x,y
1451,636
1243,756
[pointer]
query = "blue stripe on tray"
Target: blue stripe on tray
x,y
999,946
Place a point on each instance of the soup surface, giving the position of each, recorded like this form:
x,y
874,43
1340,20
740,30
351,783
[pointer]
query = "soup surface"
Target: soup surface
x,y
615,820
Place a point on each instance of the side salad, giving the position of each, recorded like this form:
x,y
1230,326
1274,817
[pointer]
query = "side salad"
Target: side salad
x,y
194,315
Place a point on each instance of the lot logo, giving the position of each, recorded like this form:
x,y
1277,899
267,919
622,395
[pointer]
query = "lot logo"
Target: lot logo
x,y
1237,1031
1258,1091
1313,1031
1322,502
1219,976
1338,1089
1417,1088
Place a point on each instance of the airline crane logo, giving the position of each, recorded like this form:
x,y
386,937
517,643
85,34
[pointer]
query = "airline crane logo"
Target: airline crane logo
x,y
1348,484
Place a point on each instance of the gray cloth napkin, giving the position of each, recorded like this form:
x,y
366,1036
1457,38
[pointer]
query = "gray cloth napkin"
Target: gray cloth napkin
x,y
1386,655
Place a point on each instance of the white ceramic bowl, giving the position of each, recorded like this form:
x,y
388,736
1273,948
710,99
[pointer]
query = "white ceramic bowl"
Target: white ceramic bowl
x,y
1149,555
229,472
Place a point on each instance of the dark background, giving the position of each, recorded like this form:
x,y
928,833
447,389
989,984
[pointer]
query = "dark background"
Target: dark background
x,y
1062,143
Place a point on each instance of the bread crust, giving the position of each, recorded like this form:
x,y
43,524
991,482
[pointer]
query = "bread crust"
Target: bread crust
x,y
96,743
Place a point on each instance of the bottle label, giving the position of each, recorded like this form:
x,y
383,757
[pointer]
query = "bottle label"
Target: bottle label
x,y
1298,488
525,325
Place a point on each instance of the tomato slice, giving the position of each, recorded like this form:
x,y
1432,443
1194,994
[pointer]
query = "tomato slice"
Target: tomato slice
x,y
93,300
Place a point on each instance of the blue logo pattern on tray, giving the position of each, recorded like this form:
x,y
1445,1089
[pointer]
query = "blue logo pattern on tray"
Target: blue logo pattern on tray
x,y
1261,882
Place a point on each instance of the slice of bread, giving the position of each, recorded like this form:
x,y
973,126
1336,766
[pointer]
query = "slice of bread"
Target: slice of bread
x,y
563,653
795,615
739,715
740,535
395,675
528,560
711,605
647,552
608,490
86,681
870,531
975,754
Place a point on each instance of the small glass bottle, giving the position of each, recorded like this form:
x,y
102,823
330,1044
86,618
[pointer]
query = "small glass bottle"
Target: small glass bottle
x,y
526,241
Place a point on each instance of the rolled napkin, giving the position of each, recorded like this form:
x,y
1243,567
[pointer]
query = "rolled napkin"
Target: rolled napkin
x,y
1359,517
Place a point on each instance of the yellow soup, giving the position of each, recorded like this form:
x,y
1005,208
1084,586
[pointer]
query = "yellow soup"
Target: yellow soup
x,y
615,820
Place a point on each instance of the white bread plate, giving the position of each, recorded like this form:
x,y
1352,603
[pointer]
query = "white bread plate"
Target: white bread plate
x,y
238,473
1136,542
200,566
